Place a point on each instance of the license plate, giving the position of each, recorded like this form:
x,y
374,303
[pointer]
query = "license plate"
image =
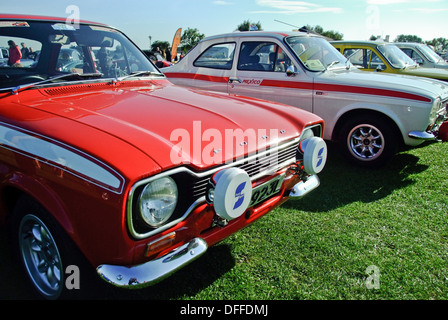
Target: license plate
x,y
266,190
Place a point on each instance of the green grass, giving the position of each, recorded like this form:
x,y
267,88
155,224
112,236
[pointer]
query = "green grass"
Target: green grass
x,y
319,247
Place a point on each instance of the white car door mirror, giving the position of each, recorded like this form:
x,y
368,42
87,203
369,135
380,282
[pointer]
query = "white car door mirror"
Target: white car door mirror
x,y
291,71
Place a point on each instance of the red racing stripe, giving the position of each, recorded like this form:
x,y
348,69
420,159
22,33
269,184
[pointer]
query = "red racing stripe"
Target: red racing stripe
x,y
344,88
202,77
370,91
309,86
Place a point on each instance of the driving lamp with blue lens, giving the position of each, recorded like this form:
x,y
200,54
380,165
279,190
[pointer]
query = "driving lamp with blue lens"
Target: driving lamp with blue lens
x,y
158,201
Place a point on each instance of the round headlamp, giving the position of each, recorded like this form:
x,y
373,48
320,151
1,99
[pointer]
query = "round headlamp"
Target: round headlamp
x,y
158,201
306,134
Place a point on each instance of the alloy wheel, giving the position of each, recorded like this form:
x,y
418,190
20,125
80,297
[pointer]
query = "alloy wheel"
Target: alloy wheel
x,y
41,256
366,142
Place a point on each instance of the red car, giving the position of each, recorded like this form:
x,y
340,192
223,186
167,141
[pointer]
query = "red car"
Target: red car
x,y
111,160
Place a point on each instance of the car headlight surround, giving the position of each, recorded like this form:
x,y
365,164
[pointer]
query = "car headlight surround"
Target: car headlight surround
x,y
158,200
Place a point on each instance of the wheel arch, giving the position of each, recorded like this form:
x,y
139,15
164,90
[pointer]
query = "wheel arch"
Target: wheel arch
x,y
366,111
47,198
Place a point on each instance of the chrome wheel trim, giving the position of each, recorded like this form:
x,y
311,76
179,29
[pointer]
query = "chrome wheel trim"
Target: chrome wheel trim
x,y
366,142
41,256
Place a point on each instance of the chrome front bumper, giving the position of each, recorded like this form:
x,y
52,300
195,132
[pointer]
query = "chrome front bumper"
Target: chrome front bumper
x,y
431,133
153,271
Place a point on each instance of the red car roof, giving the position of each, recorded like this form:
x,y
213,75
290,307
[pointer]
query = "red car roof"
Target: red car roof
x,y
6,16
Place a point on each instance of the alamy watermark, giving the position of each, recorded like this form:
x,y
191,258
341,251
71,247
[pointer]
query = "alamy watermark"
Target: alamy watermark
x,y
73,278
213,146
73,17
373,280
373,19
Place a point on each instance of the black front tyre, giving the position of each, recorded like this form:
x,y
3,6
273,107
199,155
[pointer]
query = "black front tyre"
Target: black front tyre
x,y
368,141
43,248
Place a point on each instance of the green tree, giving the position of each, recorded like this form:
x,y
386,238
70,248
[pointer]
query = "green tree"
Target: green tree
x,y
190,37
440,44
245,26
163,45
408,38
334,35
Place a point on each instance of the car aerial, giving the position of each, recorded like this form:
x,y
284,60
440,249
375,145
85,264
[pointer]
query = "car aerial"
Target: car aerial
x,y
422,54
137,175
369,114
379,56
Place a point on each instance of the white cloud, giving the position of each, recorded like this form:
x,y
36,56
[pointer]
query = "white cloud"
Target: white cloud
x,y
384,2
388,2
428,10
284,6
222,3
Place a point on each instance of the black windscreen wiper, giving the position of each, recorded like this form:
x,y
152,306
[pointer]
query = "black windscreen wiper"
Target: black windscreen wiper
x,y
77,76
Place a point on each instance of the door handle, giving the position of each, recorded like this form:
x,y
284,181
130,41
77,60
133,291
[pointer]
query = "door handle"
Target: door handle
x,y
233,80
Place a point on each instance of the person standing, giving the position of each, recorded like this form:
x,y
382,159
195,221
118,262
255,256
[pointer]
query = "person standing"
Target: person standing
x,y
168,54
25,51
14,54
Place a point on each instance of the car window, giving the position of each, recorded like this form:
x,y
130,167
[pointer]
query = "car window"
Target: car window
x,y
262,56
364,58
431,54
218,56
411,53
316,53
24,52
56,49
397,58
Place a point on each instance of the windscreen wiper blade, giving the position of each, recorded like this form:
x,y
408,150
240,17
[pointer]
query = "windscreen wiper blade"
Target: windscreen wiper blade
x,y
138,74
332,64
80,76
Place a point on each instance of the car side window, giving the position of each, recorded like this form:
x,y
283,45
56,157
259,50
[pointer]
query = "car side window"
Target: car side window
x,y
218,56
413,55
409,52
364,58
263,56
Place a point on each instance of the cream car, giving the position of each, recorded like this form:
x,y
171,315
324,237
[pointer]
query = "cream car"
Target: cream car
x,y
370,114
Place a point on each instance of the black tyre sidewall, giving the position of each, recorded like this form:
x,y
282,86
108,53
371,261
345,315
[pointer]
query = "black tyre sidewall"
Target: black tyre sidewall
x,y
390,141
68,252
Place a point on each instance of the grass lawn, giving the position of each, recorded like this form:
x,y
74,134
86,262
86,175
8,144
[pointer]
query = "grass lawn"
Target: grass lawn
x,y
320,247
394,220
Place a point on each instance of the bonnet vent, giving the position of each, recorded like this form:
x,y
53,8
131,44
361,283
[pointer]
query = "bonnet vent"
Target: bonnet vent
x,y
55,91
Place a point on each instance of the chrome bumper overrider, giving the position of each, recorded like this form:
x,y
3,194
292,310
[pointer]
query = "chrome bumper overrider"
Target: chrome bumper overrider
x,y
305,187
153,271
421,135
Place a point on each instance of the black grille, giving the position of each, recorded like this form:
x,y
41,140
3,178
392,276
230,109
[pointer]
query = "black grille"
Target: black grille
x,y
255,165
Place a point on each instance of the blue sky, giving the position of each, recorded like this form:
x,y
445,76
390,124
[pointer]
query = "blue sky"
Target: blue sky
x,y
356,19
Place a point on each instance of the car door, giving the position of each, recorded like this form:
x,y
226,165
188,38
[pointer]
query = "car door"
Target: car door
x,y
261,72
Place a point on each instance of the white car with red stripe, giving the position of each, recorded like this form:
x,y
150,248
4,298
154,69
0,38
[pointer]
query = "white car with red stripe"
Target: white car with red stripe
x,y
370,114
